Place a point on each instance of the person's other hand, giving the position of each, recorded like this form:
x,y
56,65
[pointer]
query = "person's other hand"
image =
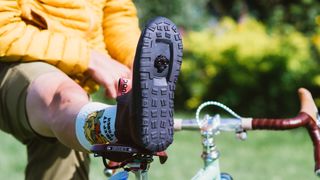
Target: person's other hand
x,y
107,71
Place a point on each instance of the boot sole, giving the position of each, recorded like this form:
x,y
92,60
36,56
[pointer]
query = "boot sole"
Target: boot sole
x,y
156,69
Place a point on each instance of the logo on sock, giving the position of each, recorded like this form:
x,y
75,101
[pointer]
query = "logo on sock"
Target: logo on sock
x,y
108,130
92,129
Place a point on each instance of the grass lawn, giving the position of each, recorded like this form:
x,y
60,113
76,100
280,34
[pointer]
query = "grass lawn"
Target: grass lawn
x,y
264,156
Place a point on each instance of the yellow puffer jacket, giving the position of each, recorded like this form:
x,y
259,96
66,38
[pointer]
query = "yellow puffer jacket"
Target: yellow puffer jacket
x,y
62,32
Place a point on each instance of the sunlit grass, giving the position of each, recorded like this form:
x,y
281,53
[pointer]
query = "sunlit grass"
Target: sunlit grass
x,y
264,156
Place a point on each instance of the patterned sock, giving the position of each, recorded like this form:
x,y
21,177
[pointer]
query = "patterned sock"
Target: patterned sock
x,y
95,124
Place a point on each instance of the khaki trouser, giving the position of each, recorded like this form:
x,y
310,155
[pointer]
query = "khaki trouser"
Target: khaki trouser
x,y
47,157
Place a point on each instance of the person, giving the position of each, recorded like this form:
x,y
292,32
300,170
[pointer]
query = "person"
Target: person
x,y
53,53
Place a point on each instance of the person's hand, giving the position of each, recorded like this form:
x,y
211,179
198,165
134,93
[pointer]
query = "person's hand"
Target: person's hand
x,y
107,71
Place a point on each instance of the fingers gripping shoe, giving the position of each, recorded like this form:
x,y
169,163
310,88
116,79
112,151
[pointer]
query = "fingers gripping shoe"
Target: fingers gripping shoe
x,y
149,122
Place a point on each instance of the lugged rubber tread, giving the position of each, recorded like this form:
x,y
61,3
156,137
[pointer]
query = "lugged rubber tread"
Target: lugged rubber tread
x,y
154,85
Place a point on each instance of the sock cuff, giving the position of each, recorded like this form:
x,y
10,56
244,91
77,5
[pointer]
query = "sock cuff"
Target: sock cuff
x,y
82,118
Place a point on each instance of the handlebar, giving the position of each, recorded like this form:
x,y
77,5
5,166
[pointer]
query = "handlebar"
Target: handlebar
x,y
301,120
307,117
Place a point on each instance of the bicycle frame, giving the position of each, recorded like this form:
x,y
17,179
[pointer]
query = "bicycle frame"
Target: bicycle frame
x,y
212,125
210,155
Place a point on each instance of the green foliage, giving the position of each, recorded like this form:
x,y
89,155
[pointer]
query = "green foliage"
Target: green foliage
x,y
243,66
252,66
299,13
316,39
195,13
186,14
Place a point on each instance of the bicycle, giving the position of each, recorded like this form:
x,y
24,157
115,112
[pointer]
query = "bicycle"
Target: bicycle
x,y
138,162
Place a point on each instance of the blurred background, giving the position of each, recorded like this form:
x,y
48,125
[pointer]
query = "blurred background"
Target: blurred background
x,y
251,56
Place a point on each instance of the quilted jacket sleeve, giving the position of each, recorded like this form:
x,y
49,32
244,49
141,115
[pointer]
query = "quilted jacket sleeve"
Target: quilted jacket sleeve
x,y
121,30
22,41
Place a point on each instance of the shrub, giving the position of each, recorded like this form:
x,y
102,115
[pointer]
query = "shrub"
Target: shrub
x,y
247,68
187,14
